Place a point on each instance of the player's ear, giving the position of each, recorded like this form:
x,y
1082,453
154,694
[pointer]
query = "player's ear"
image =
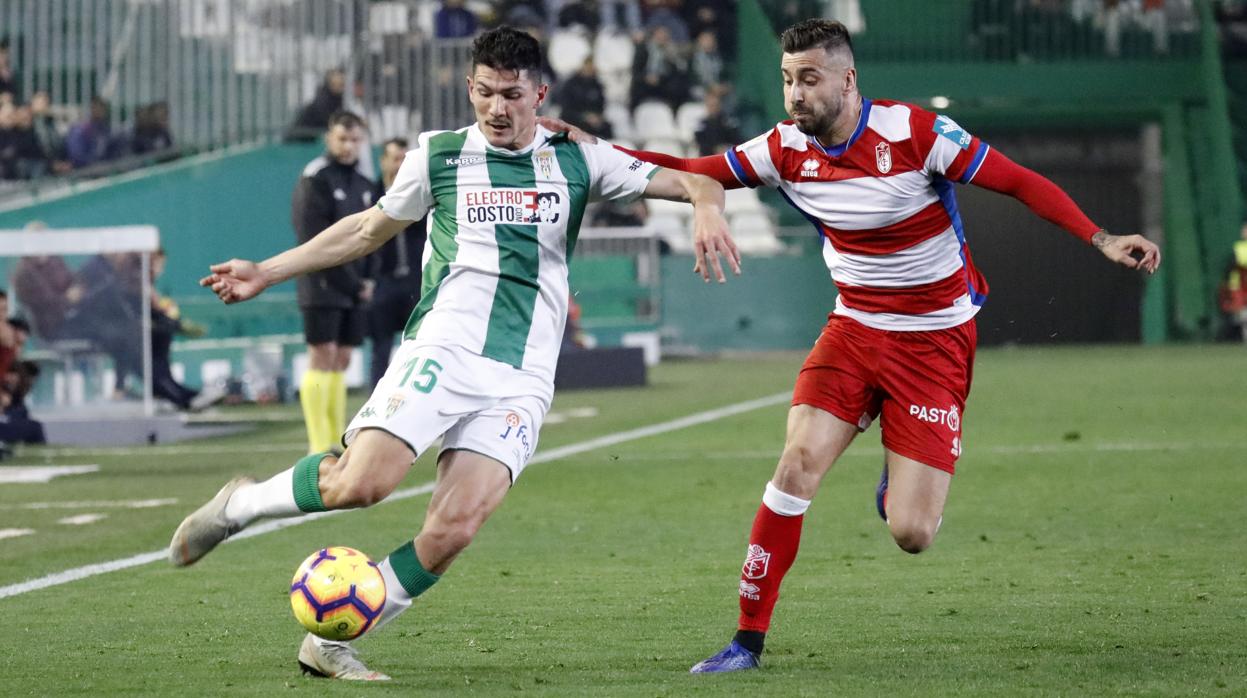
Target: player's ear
x,y
542,90
850,79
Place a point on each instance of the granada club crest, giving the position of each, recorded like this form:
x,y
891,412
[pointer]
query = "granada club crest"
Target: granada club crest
x,y
883,157
757,561
396,401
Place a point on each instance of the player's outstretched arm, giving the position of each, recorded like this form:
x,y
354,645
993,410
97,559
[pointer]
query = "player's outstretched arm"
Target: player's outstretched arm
x,y
713,166
350,238
1000,174
711,237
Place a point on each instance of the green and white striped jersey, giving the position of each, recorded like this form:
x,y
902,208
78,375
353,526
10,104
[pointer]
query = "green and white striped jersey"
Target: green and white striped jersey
x,y
502,230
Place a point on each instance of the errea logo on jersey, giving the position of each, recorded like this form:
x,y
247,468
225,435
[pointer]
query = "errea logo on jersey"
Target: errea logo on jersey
x,y
809,168
511,206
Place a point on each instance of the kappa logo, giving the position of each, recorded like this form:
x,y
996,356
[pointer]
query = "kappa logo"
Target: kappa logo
x,y
757,560
883,157
749,591
809,168
465,161
368,412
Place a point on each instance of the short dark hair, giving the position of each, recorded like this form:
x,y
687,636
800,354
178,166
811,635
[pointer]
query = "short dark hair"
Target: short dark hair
x,y
346,119
826,34
398,141
19,323
506,48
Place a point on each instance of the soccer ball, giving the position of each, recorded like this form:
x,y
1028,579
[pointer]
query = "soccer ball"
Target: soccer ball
x,y
337,593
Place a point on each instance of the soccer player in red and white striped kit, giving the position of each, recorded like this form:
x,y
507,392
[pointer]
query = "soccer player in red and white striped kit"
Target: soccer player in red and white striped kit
x,y
875,178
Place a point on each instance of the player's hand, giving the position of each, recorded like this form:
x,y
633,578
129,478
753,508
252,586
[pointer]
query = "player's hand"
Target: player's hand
x,y
575,133
367,290
712,238
1123,248
236,280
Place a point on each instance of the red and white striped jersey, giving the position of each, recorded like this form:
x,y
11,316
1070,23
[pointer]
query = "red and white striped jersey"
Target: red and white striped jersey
x,y
884,206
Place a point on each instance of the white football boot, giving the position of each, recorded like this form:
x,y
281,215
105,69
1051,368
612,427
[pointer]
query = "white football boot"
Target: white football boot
x,y
206,527
334,660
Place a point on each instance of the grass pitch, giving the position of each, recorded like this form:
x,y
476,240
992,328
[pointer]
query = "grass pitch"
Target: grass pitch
x,y
1094,543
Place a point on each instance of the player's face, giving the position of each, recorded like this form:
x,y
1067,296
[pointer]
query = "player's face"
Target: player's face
x,y
343,143
815,88
506,105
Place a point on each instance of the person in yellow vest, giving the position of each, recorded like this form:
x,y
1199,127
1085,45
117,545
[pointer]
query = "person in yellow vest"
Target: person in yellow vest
x,y
1233,295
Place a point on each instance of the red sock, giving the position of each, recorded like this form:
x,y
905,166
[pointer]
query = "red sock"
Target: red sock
x,y
772,549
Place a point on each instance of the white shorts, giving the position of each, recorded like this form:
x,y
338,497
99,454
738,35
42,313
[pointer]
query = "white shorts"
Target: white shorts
x,y
478,404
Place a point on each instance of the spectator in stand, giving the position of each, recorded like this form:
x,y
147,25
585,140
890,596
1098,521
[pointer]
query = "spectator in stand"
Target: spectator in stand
x,y
454,21
167,322
621,15
716,17
16,425
8,81
30,159
89,140
9,344
582,101
706,65
50,139
46,288
8,141
310,123
151,129
666,14
658,70
570,13
719,132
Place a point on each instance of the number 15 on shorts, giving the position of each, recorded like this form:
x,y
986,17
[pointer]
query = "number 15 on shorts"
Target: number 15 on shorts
x,y
425,379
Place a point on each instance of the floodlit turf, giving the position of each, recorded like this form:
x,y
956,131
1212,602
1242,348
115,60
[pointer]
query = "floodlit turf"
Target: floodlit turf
x,y
1094,544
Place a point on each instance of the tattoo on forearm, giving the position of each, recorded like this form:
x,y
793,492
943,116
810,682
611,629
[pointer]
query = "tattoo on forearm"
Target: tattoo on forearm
x,y
1101,238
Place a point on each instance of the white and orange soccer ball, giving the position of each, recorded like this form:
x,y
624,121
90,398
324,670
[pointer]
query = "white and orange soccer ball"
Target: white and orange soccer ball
x,y
337,593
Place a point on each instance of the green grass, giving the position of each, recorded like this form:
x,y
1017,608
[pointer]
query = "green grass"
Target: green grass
x,y
1094,544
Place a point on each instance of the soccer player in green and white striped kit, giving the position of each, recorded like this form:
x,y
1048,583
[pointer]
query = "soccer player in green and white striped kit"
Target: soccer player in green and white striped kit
x,y
476,366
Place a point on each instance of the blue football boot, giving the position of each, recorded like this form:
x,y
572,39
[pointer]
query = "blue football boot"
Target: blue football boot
x,y
734,657
881,494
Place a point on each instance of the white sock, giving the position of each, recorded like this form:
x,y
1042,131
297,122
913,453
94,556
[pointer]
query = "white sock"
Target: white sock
x,y
397,599
273,497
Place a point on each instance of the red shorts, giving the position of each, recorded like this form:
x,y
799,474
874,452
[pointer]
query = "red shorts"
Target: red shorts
x,y
916,382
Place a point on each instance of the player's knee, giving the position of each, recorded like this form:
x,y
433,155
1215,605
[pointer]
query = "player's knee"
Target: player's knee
x,y
912,535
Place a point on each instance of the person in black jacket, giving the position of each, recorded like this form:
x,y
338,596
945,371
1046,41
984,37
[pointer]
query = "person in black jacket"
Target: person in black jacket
x,y
396,269
332,301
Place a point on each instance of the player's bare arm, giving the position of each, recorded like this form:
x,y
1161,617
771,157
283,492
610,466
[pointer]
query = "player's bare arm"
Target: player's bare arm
x,y
350,238
1123,248
710,232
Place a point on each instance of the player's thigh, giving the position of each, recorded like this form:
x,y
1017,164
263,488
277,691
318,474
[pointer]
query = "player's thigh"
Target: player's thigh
x,y
815,440
368,471
470,486
916,490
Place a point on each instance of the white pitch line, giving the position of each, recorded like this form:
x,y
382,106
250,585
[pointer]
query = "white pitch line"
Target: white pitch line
x,y
86,571
81,519
102,504
15,532
41,473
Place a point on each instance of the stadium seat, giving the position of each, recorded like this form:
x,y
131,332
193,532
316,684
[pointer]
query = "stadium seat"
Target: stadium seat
x,y
654,120
754,233
613,52
620,119
688,119
568,50
673,230
670,146
743,201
